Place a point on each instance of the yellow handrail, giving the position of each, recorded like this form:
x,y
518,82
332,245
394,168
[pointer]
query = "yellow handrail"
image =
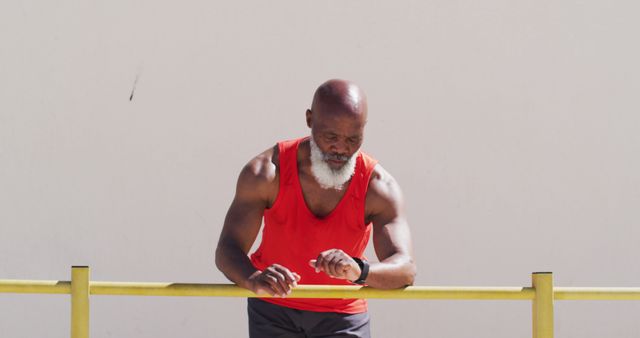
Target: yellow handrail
x,y
319,291
584,293
312,291
302,291
542,294
35,286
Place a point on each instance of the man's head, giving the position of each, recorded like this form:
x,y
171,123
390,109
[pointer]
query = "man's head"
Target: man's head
x,y
337,118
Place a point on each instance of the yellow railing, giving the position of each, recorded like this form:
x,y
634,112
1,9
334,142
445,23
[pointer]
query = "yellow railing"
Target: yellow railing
x,y
542,294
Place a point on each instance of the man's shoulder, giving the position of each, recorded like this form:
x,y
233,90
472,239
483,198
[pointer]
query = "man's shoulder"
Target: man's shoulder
x,y
383,187
262,169
380,177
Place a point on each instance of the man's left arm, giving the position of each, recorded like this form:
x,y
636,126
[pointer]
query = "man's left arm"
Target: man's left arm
x,y
391,235
391,240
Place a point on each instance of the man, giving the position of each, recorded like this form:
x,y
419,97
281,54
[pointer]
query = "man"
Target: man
x,y
320,198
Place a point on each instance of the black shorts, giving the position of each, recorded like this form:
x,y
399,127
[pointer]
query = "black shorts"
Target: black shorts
x,y
271,320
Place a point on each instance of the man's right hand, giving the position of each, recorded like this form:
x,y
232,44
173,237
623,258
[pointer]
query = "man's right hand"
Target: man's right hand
x,y
276,280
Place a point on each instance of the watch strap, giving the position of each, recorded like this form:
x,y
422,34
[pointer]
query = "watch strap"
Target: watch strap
x,y
364,270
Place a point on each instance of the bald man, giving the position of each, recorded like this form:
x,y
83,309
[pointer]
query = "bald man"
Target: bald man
x,y
320,198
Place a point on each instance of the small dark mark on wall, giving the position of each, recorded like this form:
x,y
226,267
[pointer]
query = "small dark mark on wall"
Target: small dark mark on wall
x,y
133,90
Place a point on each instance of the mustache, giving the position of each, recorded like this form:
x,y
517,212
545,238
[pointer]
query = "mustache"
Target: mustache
x,y
335,157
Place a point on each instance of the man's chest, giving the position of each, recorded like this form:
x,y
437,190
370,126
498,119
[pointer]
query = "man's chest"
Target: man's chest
x,y
321,202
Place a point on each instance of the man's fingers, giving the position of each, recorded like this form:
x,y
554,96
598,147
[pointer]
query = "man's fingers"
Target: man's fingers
x,y
318,263
340,268
344,267
289,278
323,259
335,263
332,265
268,289
264,287
275,285
326,265
312,263
276,280
288,275
281,278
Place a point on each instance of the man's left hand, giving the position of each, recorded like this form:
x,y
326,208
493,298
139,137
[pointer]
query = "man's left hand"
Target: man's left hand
x,y
337,264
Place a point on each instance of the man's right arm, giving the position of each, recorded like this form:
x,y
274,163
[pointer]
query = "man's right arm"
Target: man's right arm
x,y
254,191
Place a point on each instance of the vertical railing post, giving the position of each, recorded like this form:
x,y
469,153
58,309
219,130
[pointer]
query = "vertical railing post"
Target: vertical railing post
x,y
542,309
80,302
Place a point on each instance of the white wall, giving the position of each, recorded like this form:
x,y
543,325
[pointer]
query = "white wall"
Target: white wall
x,y
511,125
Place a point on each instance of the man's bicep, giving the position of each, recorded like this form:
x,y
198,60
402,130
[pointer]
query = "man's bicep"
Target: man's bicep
x,y
244,216
391,234
242,224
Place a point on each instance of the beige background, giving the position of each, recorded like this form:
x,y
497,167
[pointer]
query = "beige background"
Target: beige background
x,y
511,125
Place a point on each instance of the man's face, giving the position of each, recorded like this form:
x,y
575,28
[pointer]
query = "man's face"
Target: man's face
x,y
339,136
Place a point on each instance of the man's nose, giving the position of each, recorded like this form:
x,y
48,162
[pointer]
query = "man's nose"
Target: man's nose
x,y
340,148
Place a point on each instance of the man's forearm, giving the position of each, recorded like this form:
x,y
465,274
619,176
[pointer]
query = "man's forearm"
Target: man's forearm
x,y
234,264
394,272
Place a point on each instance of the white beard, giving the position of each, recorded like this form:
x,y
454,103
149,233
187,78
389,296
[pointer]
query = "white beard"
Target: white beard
x,y
327,177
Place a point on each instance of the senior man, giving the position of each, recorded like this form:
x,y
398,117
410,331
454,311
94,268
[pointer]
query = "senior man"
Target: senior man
x,y
320,198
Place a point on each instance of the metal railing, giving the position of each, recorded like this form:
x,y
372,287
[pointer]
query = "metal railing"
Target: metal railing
x,y
541,293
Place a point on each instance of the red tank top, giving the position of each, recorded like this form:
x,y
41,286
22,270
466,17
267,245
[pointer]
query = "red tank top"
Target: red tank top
x,y
293,235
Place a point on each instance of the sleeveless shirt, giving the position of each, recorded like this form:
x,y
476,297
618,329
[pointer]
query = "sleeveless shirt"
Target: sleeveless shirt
x,y
292,235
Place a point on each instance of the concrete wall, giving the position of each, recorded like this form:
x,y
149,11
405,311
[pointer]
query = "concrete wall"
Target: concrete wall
x,y
511,125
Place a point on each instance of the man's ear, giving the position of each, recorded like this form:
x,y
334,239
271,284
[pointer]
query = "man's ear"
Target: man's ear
x,y
309,118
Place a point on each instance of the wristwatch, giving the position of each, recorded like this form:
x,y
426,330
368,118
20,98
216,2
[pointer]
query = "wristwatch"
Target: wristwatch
x,y
364,268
